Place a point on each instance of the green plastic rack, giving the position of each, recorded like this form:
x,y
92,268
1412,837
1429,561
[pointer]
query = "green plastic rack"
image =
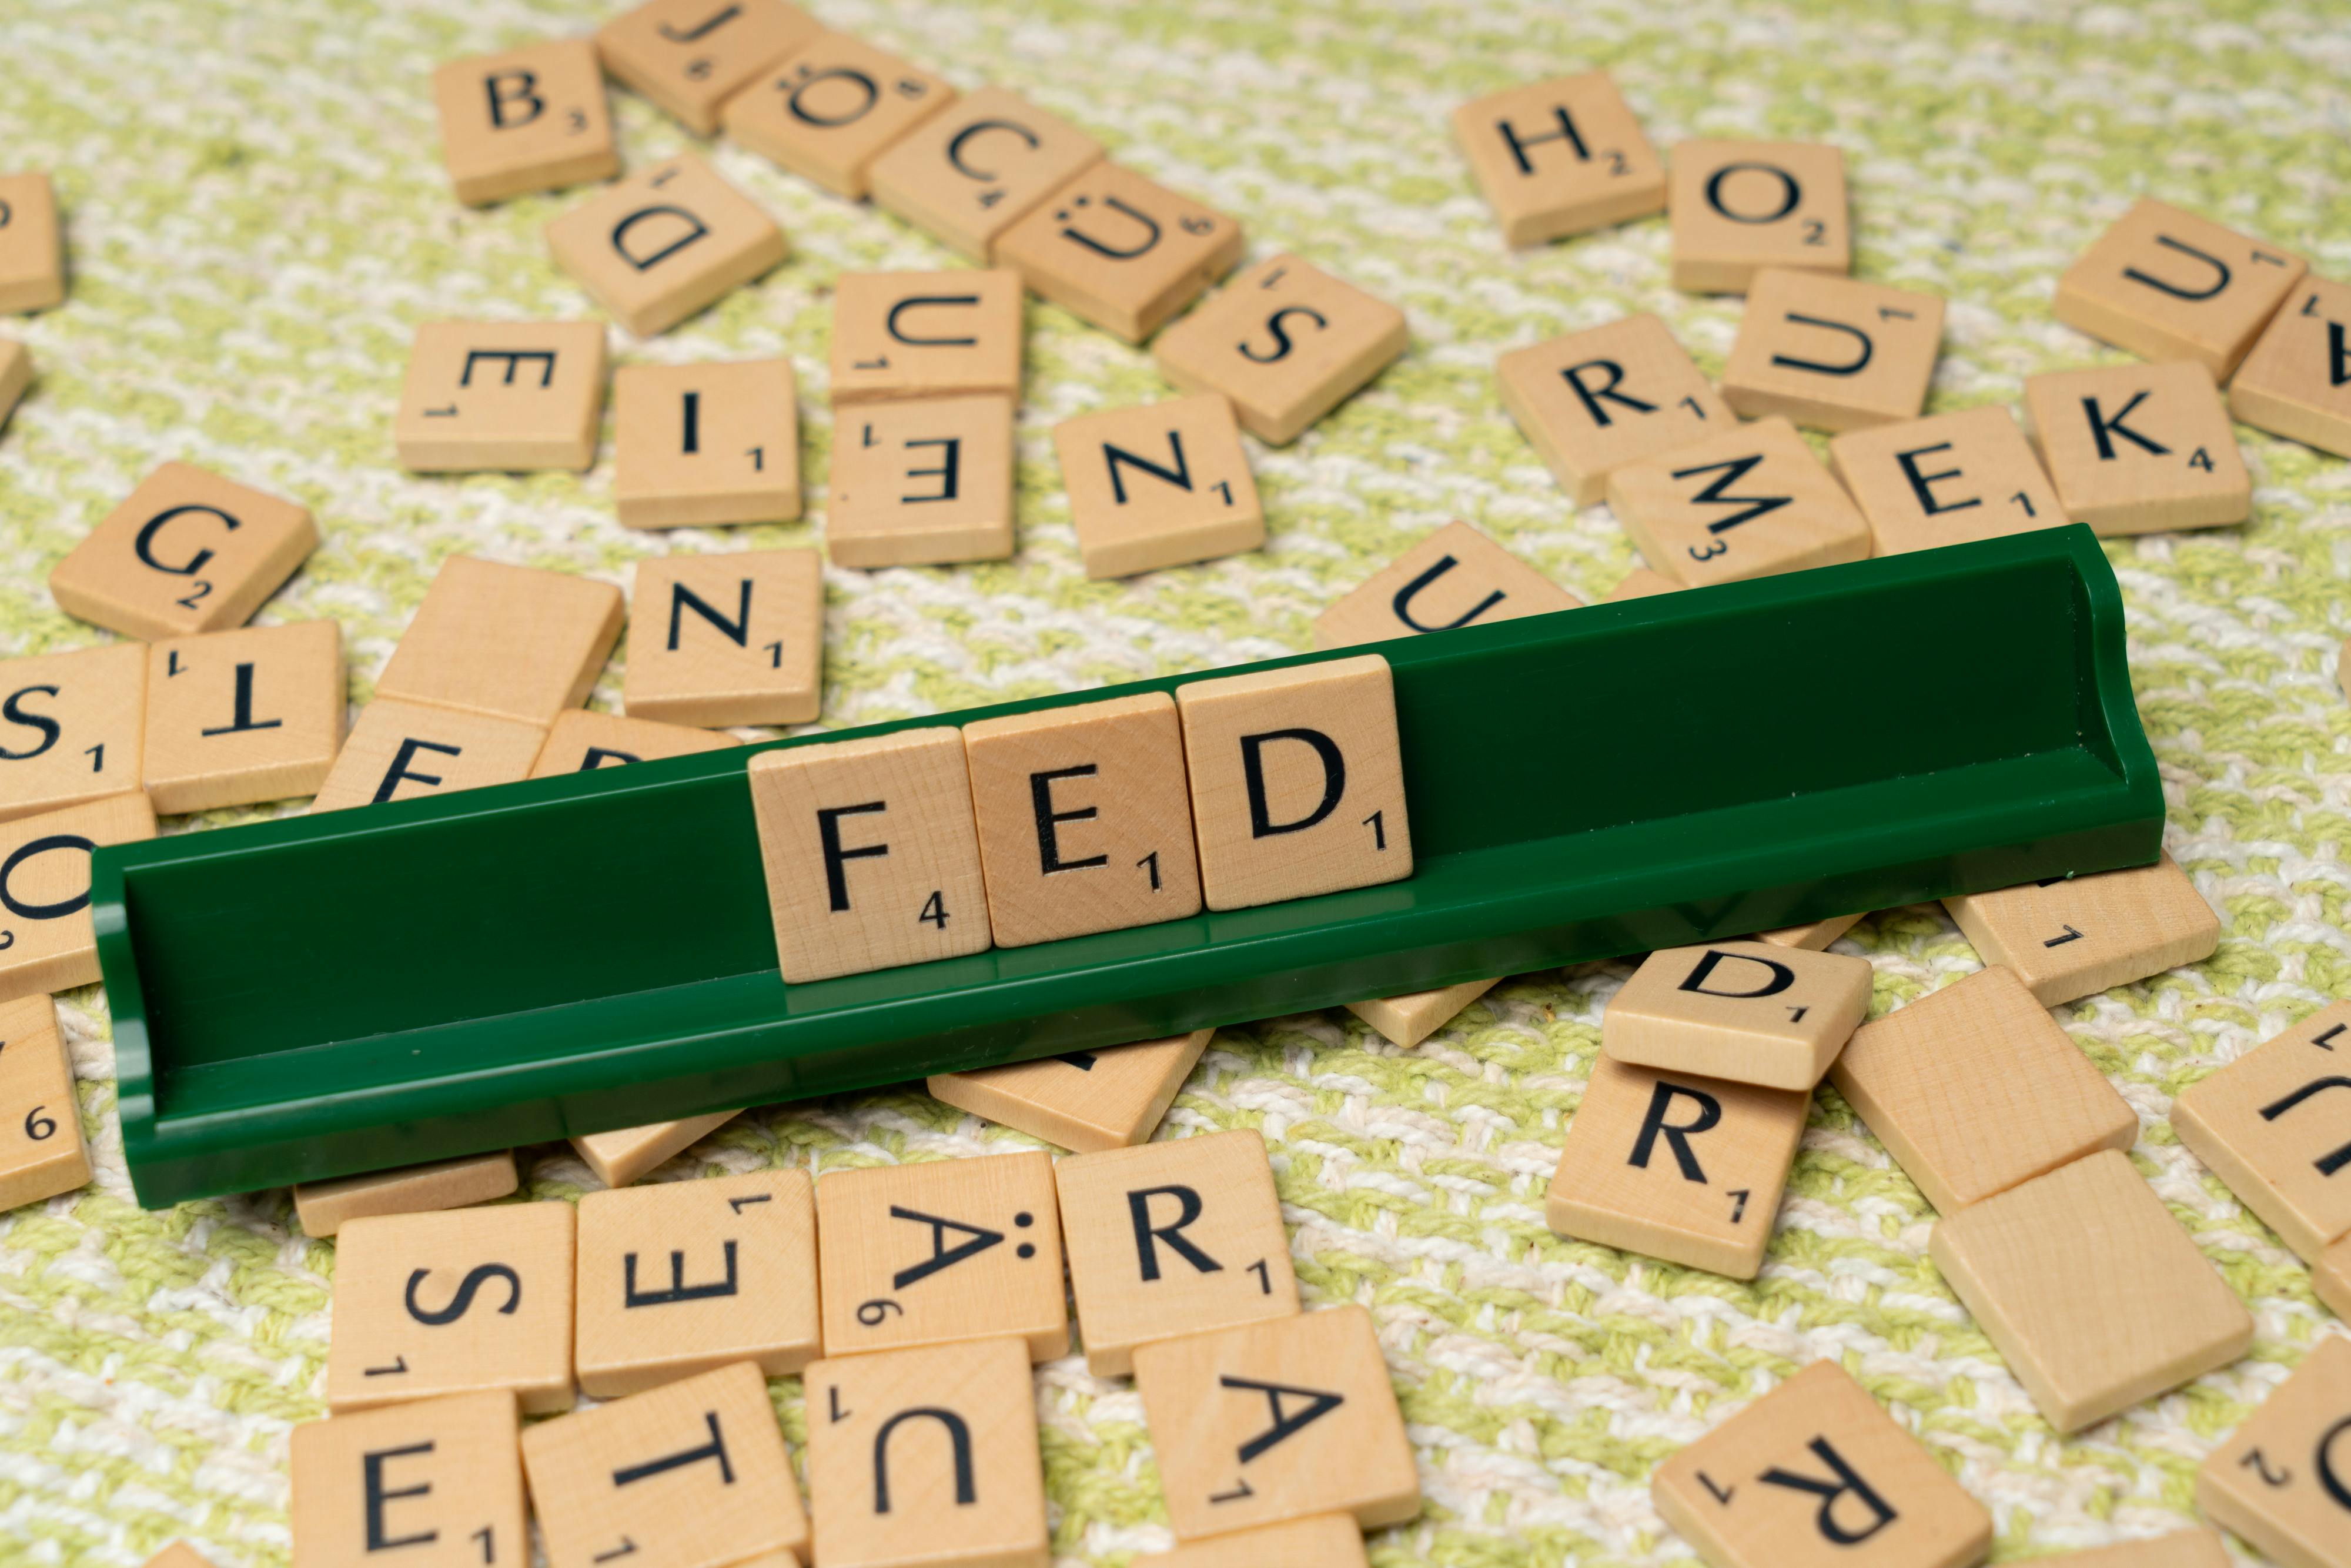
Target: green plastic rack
x,y
367,988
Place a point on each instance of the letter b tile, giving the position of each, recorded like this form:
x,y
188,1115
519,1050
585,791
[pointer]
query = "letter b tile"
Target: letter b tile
x,y
529,119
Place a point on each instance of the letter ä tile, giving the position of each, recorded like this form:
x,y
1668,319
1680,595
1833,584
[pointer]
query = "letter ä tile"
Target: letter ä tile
x,y
1454,577
2276,1124
1593,401
1747,1011
2070,937
2168,285
1744,503
398,751
581,740
46,943
1119,251
187,551
1286,342
2296,382
2135,449
41,1151
922,481
728,639
433,1481
661,244
926,334
967,174
2283,1481
1832,353
831,109
72,727
691,57
501,395
1560,157
505,642
237,718
1087,1100
529,119
1164,484
1738,207
1946,480
698,446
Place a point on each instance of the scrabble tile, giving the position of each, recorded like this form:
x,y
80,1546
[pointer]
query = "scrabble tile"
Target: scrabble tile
x,y
926,334
1814,937
693,1474
398,751
1454,577
927,1457
2133,449
1745,503
1086,1099
663,243
922,482
967,173
1643,583
2090,1290
1286,342
237,717
682,1276
32,253
1277,1421
942,1253
1412,1017
2297,381
1950,479
1118,251
437,1482
1297,781
2276,1124
179,1554
699,445
1975,1089
2167,285
831,107
581,740
728,639
1325,1540
871,855
450,1303
1172,1238
1752,1012
2283,1481
16,375
45,941
1738,207
2180,1549
1162,485
1832,353
1676,1166
532,119
2330,1278
72,727
1593,401
1814,1473
621,1155
510,395
508,641
1560,157
324,1208
41,1152
188,551
691,56
1084,822
2070,937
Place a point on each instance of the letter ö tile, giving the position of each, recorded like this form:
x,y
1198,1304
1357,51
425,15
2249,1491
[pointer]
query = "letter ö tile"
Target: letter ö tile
x,y
832,108
1454,577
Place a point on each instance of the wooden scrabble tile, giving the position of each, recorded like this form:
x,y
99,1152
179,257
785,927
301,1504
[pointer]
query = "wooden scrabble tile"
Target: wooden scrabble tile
x,y
927,1457
620,1157
1752,1012
1277,1421
2296,382
580,740
41,1152
682,1276
1975,1089
32,252
1560,157
942,1253
2330,1278
1676,1166
2167,285
967,173
2276,1124
1593,401
1814,1473
188,551
1286,342
2070,937
926,334
398,750
661,244
509,641
1946,480
1832,353
179,1554
1297,781
235,717
449,1303
1744,503
728,639
508,395
828,110
16,375
1814,937
1412,1017
1740,206
532,119
1118,251
324,1208
2090,1290
922,482
1325,1540
72,727
698,446
1172,1238
2283,1481
692,1473
1454,577
1643,583
1084,822
691,56
437,1482
1085,1100
884,827
2133,449
1161,485
2180,1549
45,941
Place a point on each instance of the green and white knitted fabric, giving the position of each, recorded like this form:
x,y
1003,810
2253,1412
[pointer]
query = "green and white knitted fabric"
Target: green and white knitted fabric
x,y
257,219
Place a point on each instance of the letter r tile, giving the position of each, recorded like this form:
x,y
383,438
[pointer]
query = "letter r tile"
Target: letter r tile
x,y
1593,401
531,119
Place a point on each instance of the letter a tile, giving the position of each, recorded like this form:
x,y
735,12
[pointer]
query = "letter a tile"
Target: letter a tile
x,y
692,56
2283,1481
728,639
501,395
1164,484
1748,502
1118,251
1832,353
434,1483
697,446
397,751
237,718
529,119
1593,401
2133,449
926,334
1947,480
967,174
41,1150
1747,1011
832,108
72,727
46,943
1087,1100
2070,937
1454,577
2167,285
1286,342
2297,381
920,481
189,551
1560,157
1740,206
2276,1124
661,244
